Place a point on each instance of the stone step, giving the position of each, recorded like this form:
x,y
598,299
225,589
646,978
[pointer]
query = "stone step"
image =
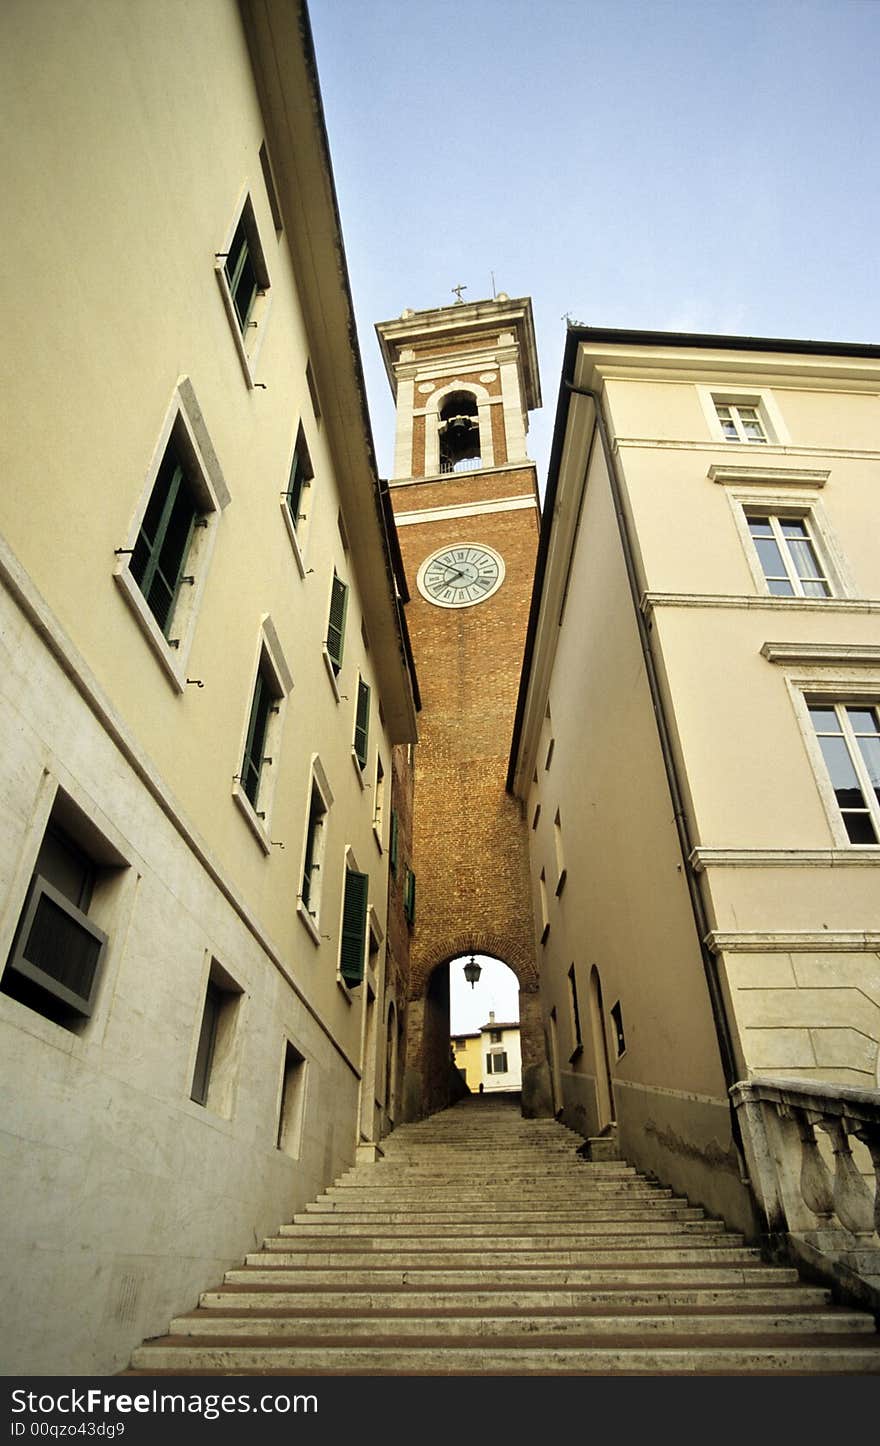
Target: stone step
x,y
308,1328
820,1356
702,1272
483,1245
376,1303
646,1252
509,1237
327,1216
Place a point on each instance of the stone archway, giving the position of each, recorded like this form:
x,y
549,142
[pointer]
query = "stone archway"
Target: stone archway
x,y
430,1081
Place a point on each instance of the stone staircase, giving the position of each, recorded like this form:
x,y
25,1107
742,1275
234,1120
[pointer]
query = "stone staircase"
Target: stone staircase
x,y
482,1244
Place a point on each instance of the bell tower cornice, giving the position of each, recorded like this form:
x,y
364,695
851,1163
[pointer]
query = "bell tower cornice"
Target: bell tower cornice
x,y
464,379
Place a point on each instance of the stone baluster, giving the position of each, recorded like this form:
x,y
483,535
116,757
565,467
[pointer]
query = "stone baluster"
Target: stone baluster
x,y
853,1204
870,1137
815,1182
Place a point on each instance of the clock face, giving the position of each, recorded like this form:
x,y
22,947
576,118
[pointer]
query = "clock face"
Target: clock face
x,y
459,576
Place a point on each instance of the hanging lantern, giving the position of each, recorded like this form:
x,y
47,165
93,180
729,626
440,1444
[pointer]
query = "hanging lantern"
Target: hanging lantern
x,y
472,971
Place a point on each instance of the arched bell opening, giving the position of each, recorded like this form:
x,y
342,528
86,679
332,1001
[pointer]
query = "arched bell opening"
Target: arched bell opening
x,y
459,432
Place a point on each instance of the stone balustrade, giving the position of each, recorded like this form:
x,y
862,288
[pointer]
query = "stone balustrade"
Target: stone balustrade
x,y
816,1204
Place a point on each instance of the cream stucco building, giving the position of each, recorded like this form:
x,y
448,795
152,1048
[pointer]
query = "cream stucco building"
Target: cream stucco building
x,y
698,737
491,1056
205,691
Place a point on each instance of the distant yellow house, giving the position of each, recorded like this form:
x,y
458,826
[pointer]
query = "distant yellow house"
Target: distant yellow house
x,y
490,1056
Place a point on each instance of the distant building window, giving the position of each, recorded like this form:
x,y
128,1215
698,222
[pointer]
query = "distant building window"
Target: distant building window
x,y
496,1062
740,422
788,555
849,740
494,1036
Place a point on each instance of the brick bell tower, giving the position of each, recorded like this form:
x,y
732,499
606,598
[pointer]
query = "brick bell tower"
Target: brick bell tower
x,y
465,500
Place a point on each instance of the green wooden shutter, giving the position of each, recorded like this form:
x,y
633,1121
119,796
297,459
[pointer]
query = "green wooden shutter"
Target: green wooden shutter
x,y
409,897
362,723
241,277
336,625
392,843
354,927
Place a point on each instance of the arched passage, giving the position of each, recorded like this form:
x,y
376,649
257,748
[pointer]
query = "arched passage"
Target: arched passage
x,y
431,1081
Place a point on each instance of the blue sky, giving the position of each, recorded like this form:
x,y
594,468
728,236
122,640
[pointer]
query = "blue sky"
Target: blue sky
x,y
671,164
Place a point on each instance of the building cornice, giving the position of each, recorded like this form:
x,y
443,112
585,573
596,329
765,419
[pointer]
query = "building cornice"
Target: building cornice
x,y
867,855
834,941
772,450
653,600
843,655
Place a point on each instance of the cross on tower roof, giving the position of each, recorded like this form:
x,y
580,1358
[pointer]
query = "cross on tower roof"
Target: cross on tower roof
x,y
458,290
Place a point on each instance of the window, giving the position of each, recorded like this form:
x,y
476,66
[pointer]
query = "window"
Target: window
x,y
379,801
617,1021
313,391
409,897
849,740
314,853
787,555
163,542
271,189
496,1062
300,477
291,1108
215,1062
394,842
362,724
254,785
545,916
244,283
494,1036
354,927
336,628
162,568
264,699
740,422
578,1043
58,952
561,870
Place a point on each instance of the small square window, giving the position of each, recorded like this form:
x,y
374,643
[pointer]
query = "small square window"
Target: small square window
x,y
740,422
216,1053
57,955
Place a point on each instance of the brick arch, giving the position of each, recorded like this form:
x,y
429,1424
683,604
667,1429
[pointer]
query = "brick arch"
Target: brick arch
x,y
515,955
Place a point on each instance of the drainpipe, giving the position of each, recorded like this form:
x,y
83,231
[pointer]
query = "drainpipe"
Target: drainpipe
x,y
716,999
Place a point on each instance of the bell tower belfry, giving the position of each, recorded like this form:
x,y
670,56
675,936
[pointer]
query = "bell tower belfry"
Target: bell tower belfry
x,y
465,500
